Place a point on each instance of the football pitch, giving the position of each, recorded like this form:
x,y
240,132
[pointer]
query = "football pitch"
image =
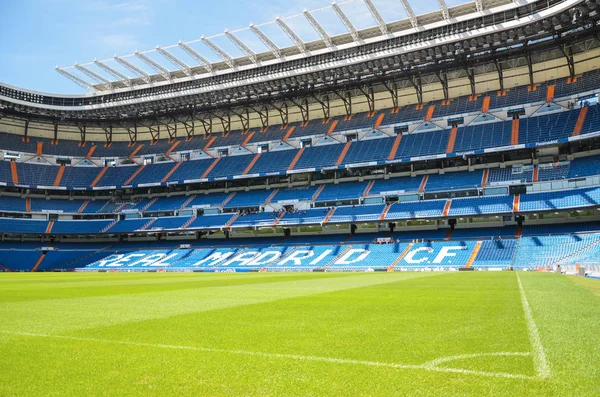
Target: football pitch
x,y
410,334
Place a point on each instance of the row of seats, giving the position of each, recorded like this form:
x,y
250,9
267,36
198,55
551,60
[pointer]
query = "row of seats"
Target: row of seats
x,y
330,193
542,128
524,253
408,113
485,205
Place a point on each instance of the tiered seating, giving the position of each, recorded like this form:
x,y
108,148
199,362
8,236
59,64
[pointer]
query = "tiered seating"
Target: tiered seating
x,y
560,200
210,221
273,133
80,227
342,191
168,203
510,175
312,216
497,253
314,127
369,150
36,175
298,194
67,206
592,120
431,255
553,172
402,184
586,166
324,156
547,127
208,200
273,161
260,219
423,144
117,176
481,205
24,226
416,209
543,251
362,213
483,136
169,223
379,256
190,170
128,225
518,95
405,114
230,165
454,180
79,176
357,121
252,198
12,204
152,173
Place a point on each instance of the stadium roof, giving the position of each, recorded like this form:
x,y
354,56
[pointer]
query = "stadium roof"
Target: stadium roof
x,y
204,57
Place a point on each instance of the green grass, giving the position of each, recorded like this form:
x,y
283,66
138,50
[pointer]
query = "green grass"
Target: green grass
x,y
297,334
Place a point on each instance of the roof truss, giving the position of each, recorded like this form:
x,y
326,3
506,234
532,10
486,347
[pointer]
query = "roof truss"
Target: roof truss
x,y
214,48
377,16
351,29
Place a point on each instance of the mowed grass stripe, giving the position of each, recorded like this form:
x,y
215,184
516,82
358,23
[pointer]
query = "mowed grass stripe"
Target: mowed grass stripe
x,y
64,315
116,284
412,322
567,315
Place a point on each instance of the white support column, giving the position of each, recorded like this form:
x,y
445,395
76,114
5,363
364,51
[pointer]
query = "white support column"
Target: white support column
x,y
291,34
318,28
174,60
266,41
162,71
444,9
205,63
75,79
224,56
410,13
377,16
133,69
243,47
93,75
340,13
119,76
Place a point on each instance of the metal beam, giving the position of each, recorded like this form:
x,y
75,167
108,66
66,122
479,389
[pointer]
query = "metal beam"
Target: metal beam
x,y
410,13
75,79
318,28
93,75
351,29
479,5
291,34
243,47
205,63
224,56
133,69
162,71
444,9
119,76
174,60
377,16
266,41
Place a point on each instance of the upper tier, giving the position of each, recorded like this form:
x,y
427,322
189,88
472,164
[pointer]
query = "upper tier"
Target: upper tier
x,y
374,149
437,110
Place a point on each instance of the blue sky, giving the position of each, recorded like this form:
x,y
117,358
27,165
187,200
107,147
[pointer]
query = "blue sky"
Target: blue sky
x,y
37,35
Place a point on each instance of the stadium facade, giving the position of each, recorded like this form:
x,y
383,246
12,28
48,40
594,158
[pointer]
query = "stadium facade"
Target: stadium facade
x,y
464,138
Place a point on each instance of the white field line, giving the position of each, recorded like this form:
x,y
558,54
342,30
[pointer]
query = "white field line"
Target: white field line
x,y
431,366
539,356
